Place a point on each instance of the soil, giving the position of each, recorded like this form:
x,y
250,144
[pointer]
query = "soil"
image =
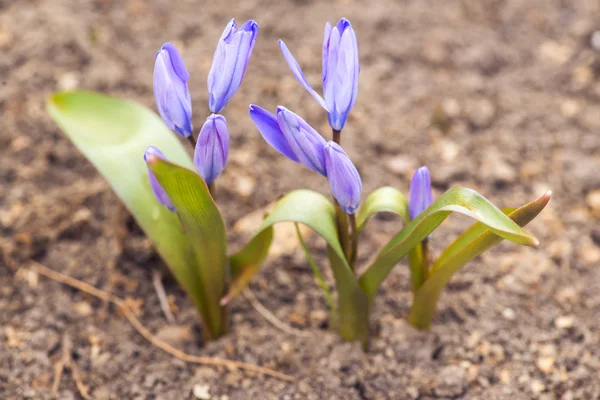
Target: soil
x,y
499,95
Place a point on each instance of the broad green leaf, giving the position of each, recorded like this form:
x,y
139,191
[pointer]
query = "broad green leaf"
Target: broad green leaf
x,y
114,134
316,270
384,199
246,262
462,200
315,211
418,266
467,246
205,229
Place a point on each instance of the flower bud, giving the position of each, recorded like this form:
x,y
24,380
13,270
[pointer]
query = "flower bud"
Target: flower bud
x,y
344,179
420,196
291,136
212,148
340,72
158,191
171,90
229,63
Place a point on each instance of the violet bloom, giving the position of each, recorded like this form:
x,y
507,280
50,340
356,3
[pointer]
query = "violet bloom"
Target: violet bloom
x,y
340,72
171,90
212,148
291,136
158,191
420,196
229,63
344,179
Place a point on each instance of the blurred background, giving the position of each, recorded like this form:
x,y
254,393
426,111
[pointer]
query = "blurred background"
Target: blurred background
x,y
502,96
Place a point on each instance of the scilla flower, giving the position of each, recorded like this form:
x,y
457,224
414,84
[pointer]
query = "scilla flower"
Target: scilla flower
x,y
171,90
420,196
344,180
340,72
158,191
212,148
229,63
291,136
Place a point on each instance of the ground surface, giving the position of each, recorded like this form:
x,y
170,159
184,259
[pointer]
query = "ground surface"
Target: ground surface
x,y
513,90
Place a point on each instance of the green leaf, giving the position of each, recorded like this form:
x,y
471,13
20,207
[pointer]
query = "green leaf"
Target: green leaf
x,y
384,199
246,262
462,200
205,229
114,134
315,211
467,246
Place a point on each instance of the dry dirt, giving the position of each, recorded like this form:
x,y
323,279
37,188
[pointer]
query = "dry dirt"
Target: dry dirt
x,y
499,95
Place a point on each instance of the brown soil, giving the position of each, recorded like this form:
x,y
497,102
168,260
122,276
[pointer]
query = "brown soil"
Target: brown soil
x,y
512,88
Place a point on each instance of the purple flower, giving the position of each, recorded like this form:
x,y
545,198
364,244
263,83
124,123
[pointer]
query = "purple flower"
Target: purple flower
x,y
340,72
171,90
158,191
212,148
343,177
420,196
291,136
229,63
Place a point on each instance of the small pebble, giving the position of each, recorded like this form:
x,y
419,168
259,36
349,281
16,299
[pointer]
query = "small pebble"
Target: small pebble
x,y
201,392
509,314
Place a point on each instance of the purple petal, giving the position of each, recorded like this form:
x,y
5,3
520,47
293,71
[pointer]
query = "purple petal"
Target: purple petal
x,y
171,91
229,64
420,196
212,148
304,141
158,191
177,61
326,38
297,71
344,179
269,129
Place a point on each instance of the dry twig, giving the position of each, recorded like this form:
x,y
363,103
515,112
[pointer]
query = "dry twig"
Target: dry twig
x,y
142,330
162,296
272,318
67,362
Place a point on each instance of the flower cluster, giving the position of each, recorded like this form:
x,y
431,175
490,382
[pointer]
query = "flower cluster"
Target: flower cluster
x,y
174,103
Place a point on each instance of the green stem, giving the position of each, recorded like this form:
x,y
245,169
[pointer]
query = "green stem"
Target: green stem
x,y
318,275
353,239
212,188
418,260
341,216
342,225
192,141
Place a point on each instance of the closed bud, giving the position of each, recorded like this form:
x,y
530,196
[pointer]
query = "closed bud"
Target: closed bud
x,y
158,191
340,72
212,148
229,63
171,90
420,196
291,136
344,179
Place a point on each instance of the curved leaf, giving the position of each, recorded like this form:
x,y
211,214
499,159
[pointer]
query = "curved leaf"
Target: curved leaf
x,y
467,246
114,134
462,200
205,229
315,211
384,199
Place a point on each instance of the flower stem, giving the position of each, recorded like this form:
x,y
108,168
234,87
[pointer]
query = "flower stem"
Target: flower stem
x,y
212,188
337,136
353,239
342,218
192,141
